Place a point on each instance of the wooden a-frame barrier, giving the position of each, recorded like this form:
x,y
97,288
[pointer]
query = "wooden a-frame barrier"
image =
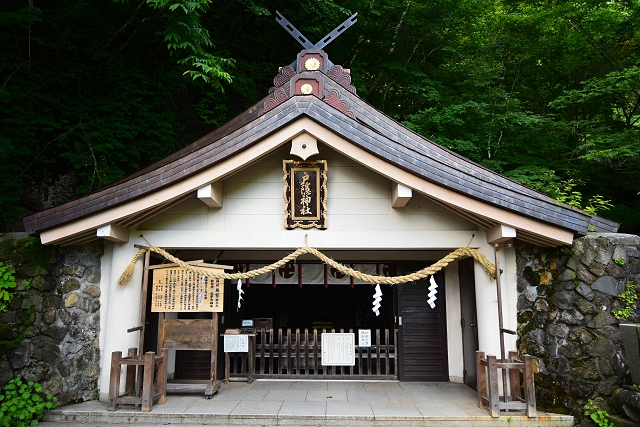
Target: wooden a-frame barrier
x,y
173,334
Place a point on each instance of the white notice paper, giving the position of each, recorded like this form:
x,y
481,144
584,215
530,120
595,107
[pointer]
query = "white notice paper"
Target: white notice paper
x,y
236,343
364,338
338,349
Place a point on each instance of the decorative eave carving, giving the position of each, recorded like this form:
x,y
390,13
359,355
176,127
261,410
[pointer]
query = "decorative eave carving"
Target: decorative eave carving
x,y
335,100
340,76
278,96
283,76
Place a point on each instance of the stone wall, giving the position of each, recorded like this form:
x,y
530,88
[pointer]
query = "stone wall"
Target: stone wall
x,y
567,298
50,333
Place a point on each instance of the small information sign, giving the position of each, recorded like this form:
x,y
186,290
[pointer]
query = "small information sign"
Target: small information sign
x,y
364,338
338,349
236,343
177,289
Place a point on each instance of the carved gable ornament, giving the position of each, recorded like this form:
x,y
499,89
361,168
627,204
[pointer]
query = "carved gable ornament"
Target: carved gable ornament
x,y
305,194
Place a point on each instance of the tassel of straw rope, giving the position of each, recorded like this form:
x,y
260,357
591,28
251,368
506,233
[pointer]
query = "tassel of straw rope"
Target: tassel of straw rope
x,y
127,274
421,274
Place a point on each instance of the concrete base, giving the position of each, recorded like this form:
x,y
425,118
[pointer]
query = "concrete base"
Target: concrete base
x,y
310,403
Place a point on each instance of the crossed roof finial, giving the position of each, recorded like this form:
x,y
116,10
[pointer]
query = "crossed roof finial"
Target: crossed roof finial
x,y
322,42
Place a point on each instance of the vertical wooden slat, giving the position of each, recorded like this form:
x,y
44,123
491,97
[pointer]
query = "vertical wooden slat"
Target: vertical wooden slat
x,y
227,369
481,384
160,332
306,352
280,352
143,300
130,375
288,351
494,394
359,360
529,387
377,351
325,369
114,381
143,317
351,369
395,352
251,358
162,377
368,361
514,377
147,382
386,352
297,351
316,362
214,350
272,357
263,337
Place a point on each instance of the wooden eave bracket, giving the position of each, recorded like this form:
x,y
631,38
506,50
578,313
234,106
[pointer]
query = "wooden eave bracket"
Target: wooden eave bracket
x,y
500,233
400,195
113,232
211,194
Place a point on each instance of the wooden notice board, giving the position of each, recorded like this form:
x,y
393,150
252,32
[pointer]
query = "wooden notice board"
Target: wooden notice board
x,y
176,289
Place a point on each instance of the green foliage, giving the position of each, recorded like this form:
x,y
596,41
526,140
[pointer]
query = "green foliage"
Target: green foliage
x,y
544,92
599,416
629,298
620,261
22,404
185,36
567,194
7,281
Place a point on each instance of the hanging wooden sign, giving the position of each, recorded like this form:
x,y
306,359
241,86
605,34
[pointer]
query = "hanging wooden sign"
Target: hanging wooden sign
x,y
305,194
177,289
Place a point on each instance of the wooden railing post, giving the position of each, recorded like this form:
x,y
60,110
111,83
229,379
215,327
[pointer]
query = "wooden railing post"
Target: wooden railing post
x,y
529,387
494,393
481,381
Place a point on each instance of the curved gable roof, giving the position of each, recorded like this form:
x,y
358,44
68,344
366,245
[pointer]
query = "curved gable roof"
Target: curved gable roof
x,y
337,109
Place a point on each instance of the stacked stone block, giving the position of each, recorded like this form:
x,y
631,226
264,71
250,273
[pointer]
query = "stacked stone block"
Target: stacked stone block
x,y
567,298
54,318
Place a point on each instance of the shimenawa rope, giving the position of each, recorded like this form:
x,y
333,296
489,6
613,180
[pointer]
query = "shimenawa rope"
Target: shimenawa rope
x,y
126,276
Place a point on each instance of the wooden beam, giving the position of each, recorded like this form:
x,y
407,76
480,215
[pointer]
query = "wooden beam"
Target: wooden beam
x,y
113,232
400,195
500,233
211,194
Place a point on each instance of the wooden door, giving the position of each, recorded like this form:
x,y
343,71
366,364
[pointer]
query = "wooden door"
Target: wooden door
x,y
469,320
422,333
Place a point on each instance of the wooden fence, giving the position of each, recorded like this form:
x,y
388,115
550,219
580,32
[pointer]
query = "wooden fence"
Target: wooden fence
x,y
298,355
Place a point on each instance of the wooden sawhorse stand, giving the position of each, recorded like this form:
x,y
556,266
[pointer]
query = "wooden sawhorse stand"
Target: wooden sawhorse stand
x,y
148,364
488,391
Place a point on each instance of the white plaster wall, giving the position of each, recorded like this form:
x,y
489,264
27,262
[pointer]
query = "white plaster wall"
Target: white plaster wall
x,y
360,215
487,300
105,287
121,310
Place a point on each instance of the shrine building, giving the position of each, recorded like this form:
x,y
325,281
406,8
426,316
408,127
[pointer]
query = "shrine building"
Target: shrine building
x,y
312,165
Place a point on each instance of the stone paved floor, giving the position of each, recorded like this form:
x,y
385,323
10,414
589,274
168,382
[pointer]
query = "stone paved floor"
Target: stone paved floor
x,y
315,403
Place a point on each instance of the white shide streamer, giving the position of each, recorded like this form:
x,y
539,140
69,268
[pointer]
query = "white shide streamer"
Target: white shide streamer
x,y
240,292
433,291
377,297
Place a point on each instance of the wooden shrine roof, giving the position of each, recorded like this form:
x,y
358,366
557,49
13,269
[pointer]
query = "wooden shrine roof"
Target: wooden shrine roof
x,y
336,107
